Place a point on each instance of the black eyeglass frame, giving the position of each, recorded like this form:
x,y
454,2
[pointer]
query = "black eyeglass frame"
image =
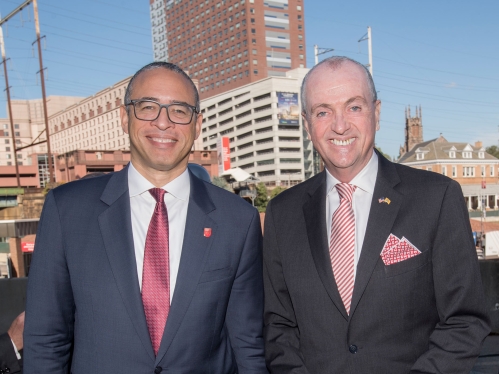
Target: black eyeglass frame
x,y
161,106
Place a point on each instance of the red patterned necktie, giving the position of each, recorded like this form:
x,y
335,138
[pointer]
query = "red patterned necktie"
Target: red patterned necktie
x,y
342,245
156,272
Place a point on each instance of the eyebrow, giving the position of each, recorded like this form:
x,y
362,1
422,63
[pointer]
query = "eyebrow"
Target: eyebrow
x,y
321,105
171,102
353,99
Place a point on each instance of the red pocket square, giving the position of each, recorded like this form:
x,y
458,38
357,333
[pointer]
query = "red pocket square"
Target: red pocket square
x,y
396,250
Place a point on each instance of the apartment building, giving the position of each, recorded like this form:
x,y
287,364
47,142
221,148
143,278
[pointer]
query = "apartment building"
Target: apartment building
x,y
91,124
265,129
29,128
474,169
226,44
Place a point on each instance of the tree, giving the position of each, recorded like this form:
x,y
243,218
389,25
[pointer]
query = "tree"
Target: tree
x,y
221,182
262,197
276,191
384,154
493,150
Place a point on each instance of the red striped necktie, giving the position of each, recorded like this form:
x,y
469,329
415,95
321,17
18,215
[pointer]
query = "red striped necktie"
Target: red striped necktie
x,y
156,271
342,244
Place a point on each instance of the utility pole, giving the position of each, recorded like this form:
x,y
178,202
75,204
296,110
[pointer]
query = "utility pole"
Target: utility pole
x,y
9,106
44,98
319,51
368,37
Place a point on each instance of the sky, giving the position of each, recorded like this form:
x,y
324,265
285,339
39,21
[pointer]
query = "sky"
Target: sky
x,y
440,54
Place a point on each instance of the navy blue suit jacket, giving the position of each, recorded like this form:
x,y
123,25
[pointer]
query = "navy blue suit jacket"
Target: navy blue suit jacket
x,y
84,311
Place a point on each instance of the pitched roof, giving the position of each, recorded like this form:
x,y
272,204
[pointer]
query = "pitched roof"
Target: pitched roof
x,y
439,149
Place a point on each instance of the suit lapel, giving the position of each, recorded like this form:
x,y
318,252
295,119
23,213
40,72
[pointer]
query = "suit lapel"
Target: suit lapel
x,y
195,250
314,211
381,219
116,230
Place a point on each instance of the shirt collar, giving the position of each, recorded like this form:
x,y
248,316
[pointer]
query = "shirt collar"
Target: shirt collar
x,y
138,184
365,180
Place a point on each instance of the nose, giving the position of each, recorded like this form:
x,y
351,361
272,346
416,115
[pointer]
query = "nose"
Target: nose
x,y
163,121
340,125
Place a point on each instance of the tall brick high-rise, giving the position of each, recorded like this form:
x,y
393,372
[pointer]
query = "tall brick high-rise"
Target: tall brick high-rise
x,y
228,43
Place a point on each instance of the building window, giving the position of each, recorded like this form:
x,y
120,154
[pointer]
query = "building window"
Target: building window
x,y
452,154
483,171
444,170
466,154
430,168
419,156
454,171
468,171
253,31
7,141
481,155
491,171
255,72
16,126
7,149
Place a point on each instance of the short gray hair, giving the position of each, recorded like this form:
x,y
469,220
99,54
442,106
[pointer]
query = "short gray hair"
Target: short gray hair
x,y
167,66
334,63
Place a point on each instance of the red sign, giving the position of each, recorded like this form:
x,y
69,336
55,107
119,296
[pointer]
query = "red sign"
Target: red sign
x,y
223,151
484,185
27,246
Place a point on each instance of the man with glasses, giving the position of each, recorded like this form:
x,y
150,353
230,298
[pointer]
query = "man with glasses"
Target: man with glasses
x,y
149,269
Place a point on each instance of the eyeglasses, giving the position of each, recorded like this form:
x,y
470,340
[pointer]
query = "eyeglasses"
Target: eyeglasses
x,y
149,110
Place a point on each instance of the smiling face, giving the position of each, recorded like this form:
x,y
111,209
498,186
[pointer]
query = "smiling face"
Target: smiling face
x,y
341,118
160,149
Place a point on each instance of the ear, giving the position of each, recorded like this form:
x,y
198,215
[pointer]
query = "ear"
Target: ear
x,y
198,124
124,119
377,111
306,125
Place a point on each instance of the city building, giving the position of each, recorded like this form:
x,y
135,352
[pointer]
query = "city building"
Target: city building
x,y
76,164
93,123
476,171
29,128
263,123
229,43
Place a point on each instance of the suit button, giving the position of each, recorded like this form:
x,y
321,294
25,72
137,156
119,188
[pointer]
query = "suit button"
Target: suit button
x,y
352,348
158,370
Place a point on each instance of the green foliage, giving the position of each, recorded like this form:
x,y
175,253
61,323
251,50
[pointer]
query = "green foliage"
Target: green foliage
x,y
221,182
384,154
493,150
262,197
50,186
276,191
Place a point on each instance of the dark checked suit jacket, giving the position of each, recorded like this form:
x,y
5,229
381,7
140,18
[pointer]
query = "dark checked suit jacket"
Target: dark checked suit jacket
x,y
84,311
8,359
423,315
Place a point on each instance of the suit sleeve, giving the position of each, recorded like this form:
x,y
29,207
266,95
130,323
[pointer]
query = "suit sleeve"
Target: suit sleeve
x,y
244,317
8,359
48,332
456,341
282,337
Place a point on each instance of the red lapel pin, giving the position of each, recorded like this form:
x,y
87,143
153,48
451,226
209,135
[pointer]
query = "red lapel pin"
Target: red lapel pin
x,y
207,232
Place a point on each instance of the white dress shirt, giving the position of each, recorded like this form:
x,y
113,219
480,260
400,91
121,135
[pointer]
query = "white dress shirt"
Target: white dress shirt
x,y
142,206
361,202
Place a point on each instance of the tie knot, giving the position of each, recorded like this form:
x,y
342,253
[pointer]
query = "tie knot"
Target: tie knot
x,y
345,191
158,194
